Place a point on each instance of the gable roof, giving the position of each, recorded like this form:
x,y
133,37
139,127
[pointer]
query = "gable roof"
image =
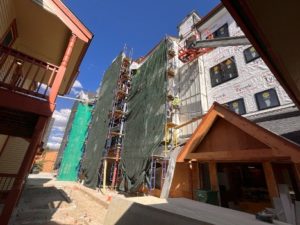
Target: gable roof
x,y
278,146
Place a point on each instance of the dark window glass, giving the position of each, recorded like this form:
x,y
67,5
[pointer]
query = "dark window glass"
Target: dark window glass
x,y
237,106
222,31
8,39
250,54
190,41
267,99
223,72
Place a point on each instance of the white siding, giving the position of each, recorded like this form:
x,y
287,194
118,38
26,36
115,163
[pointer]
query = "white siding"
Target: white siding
x,y
252,78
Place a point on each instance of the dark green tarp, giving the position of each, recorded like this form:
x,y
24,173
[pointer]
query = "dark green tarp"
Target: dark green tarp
x,y
74,148
144,129
91,161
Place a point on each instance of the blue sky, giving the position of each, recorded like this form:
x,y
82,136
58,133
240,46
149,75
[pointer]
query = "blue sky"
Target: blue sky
x,y
138,24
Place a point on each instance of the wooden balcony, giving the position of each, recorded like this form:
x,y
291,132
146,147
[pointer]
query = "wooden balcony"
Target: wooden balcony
x,y
25,75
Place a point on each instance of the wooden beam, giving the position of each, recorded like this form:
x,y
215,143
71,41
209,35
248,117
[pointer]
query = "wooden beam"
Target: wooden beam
x,y
270,180
237,155
188,122
213,176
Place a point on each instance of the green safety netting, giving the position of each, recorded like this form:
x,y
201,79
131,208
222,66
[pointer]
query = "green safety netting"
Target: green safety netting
x,y
145,122
74,147
66,136
91,161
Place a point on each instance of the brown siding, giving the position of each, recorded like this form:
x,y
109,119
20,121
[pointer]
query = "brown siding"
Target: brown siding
x,y
182,182
7,15
13,154
224,136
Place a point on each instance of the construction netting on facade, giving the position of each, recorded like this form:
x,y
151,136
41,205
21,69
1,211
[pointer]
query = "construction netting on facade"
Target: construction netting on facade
x,y
74,148
146,119
95,144
66,136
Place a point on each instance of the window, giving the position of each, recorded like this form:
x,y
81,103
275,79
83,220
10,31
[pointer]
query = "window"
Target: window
x,y
221,32
237,106
267,99
10,36
223,72
190,41
250,54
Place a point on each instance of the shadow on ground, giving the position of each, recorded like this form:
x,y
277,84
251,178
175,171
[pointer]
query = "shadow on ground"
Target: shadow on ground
x,y
38,204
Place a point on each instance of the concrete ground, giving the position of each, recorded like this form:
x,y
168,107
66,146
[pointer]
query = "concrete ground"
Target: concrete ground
x,y
49,202
46,201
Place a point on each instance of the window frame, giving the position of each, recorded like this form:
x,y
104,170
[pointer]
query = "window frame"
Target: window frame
x,y
13,30
236,100
253,59
223,75
257,101
213,34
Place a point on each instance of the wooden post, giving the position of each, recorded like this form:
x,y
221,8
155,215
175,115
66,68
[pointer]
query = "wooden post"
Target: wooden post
x,y
17,188
62,69
270,180
297,176
213,175
195,177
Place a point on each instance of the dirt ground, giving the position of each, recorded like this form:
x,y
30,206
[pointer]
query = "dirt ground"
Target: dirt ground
x,y
49,202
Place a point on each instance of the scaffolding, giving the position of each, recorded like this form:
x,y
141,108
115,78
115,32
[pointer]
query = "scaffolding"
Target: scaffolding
x,y
159,162
115,135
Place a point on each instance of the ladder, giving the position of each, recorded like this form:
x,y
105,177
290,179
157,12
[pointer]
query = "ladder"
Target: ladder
x,y
117,116
152,174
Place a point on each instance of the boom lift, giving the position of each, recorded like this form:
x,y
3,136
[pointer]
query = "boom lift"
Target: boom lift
x,y
195,48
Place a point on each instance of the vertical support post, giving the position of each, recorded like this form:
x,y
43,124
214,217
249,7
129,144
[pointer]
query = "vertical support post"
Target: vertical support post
x,y
17,188
195,177
62,69
297,176
213,176
104,174
270,180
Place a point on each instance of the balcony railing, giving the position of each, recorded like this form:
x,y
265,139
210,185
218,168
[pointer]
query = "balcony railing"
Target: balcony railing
x,y
25,74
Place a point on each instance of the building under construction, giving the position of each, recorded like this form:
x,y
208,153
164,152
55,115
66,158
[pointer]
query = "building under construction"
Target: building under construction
x,y
186,120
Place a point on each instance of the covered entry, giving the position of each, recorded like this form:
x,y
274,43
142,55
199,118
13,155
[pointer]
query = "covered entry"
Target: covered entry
x,y
242,163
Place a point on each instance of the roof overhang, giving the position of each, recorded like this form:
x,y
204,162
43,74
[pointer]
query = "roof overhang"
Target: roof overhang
x,y
44,28
273,145
272,28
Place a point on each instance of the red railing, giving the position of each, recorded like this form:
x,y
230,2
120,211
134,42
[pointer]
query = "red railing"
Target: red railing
x,y
6,184
25,74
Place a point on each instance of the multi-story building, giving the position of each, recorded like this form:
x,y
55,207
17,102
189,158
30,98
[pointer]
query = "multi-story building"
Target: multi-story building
x,y
233,75
213,155
41,47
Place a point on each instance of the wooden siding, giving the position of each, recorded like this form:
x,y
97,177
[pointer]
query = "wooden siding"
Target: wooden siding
x,y
7,15
182,182
13,154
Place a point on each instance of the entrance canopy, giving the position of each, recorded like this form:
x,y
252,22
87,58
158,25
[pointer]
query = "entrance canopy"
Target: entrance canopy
x,y
224,136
